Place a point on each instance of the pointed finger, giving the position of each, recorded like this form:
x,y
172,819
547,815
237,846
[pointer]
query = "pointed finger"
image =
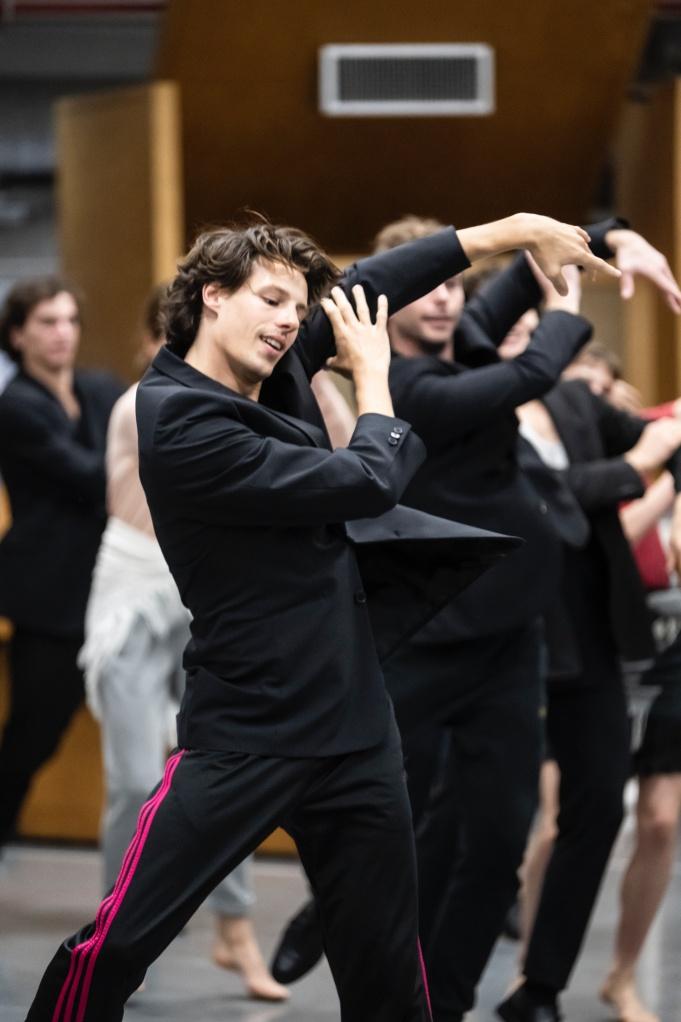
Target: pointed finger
x,y
626,285
673,303
592,262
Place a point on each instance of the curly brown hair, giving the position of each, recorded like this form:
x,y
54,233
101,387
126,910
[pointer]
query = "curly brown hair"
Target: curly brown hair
x,y
225,255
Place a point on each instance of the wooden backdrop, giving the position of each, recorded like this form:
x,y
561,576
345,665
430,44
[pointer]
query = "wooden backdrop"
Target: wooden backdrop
x,y
252,135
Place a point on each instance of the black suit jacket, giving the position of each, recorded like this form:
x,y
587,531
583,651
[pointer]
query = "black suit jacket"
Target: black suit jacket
x,y
596,436
467,420
55,477
282,660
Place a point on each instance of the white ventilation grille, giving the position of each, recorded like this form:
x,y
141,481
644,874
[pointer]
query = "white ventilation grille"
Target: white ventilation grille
x,y
412,80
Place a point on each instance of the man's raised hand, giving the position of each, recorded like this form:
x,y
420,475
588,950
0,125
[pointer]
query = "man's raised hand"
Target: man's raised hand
x,y
634,257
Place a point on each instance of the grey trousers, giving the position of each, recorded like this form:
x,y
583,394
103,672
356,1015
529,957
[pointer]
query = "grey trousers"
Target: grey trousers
x,y
139,691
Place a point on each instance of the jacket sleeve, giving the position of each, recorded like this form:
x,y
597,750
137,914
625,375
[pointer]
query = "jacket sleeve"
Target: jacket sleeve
x,y
216,470
403,274
599,483
500,303
443,408
603,483
607,481
28,439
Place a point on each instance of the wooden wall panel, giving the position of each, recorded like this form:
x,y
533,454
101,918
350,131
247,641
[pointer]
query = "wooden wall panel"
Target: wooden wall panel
x,y
648,160
121,224
253,136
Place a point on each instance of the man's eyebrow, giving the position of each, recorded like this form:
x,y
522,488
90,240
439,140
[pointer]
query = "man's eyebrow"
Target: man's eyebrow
x,y
300,306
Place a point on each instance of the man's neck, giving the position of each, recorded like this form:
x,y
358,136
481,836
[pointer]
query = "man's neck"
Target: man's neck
x,y
210,360
412,347
59,382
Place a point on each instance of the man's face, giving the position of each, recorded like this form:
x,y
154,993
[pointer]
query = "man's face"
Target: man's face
x,y
48,340
593,371
518,337
430,321
255,325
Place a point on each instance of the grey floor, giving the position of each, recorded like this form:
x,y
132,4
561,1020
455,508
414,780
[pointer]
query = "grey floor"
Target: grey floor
x,y
46,893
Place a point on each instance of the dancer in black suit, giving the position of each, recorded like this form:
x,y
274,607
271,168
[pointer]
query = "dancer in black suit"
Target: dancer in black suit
x,y
597,618
285,718
53,421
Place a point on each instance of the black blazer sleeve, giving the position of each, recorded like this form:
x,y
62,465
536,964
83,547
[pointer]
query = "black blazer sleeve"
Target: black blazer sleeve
x,y
403,274
500,303
28,437
602,482
444,407
217,470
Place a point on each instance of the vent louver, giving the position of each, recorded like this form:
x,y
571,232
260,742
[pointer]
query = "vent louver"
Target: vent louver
x,y
434,80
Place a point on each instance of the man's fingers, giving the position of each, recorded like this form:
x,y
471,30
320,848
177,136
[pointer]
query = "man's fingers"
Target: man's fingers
x,y
673,303
558,280
596,265
382,312
626,285
332,311
343,304
582,233
361,304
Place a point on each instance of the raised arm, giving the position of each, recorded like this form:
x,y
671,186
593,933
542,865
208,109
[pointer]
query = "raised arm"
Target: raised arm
x,y
442,408
409,271
218,470
499,304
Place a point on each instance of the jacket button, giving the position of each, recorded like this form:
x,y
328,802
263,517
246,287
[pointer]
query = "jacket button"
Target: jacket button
x,y
398,429
360,596
543,507
393,440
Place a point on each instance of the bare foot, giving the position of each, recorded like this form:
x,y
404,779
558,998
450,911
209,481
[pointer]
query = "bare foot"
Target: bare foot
x,y
236,948
620,993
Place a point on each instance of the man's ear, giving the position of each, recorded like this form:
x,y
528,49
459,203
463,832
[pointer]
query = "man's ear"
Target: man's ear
x,y
15,338
211,295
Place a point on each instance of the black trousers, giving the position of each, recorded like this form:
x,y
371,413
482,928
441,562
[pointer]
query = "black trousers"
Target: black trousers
x,y
46,688
481,742
350,818
588,731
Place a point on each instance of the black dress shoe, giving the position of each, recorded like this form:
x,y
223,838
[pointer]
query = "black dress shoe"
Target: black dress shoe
x,y
521,1006
300,947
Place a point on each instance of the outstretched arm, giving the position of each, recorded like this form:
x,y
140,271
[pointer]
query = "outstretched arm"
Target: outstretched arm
x,y
409,271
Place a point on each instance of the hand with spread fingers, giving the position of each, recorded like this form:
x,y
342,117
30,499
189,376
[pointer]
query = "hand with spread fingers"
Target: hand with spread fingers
x,y
362,347
553,301
554,245
634,256
551,243
359,342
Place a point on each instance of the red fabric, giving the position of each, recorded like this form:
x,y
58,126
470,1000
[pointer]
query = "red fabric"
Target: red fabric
x,y
665,411
650,559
